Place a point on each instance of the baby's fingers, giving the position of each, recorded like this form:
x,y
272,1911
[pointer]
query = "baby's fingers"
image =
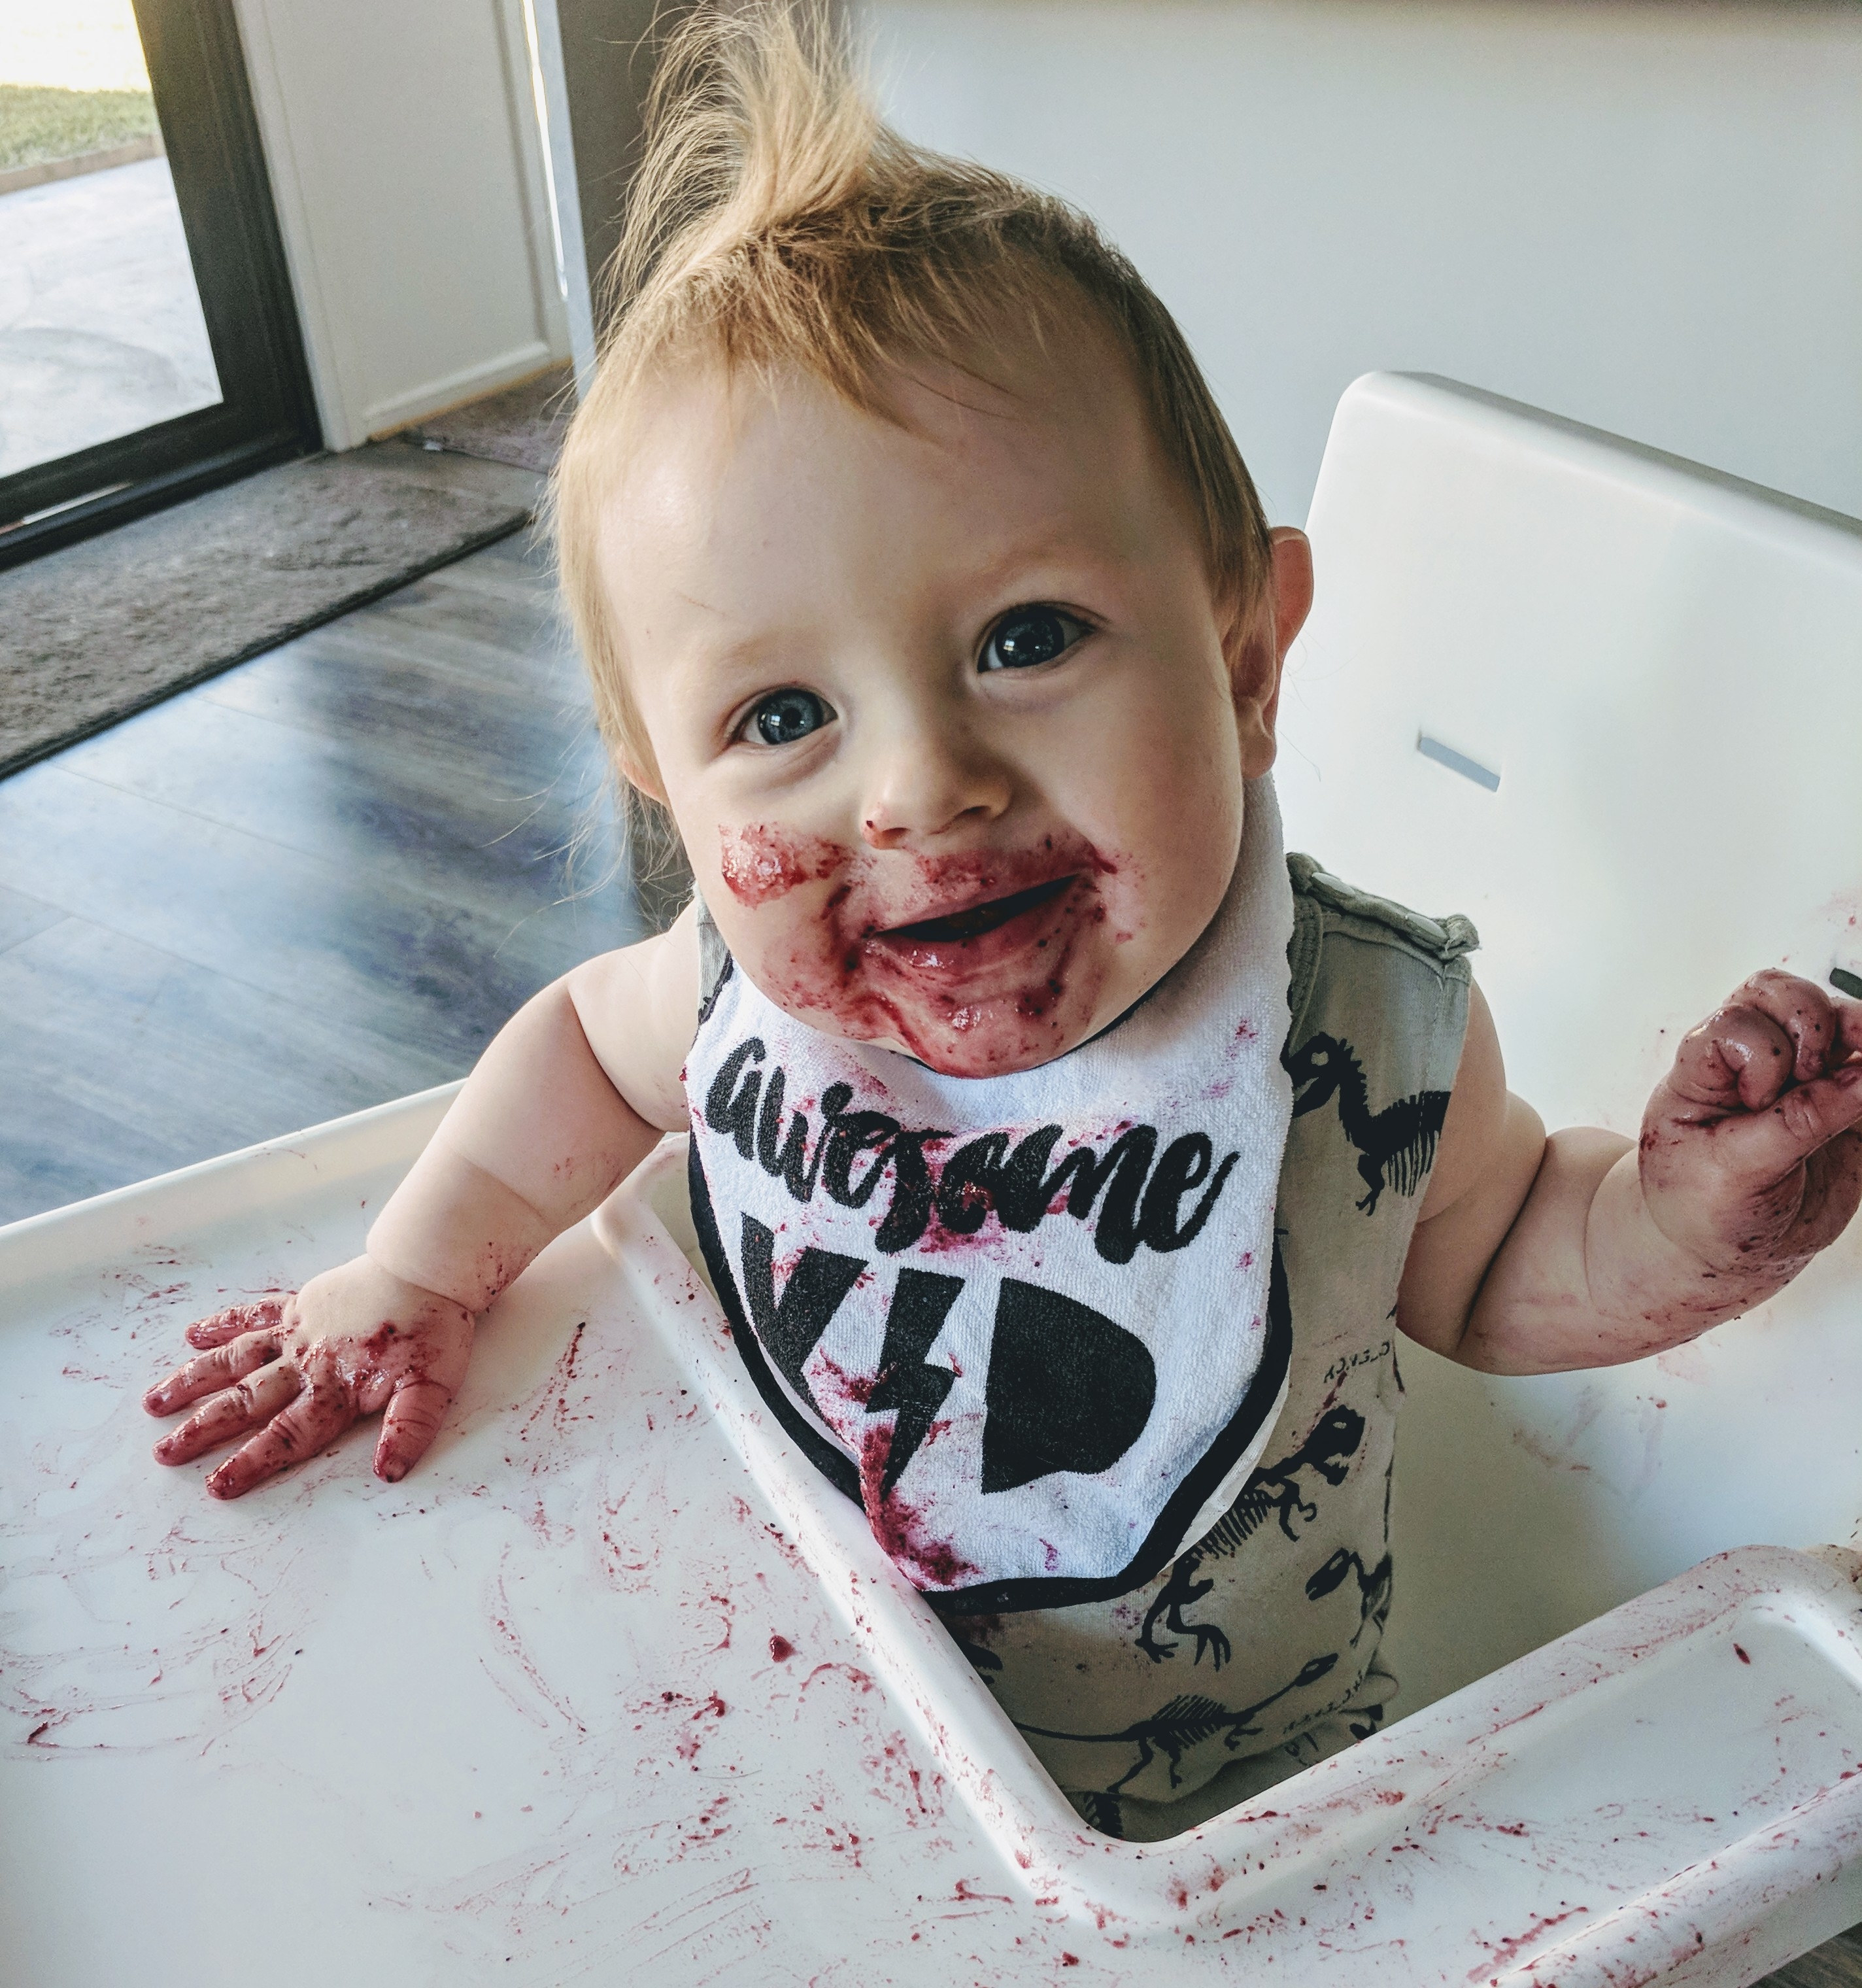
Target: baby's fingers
x,y
1848,1017
318,1416
239,1409
1802,1010
1770,1144
1738,1059
263,1315
211,1372
409,1425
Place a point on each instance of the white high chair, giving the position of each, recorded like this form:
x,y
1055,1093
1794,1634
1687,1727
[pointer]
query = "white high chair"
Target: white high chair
x,y
613,1688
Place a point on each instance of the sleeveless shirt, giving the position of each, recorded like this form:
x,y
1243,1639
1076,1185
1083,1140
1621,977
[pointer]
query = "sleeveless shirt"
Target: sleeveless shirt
x,y
1171,1691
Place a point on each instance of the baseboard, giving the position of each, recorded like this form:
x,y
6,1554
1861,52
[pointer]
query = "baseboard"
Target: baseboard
x,y
453,390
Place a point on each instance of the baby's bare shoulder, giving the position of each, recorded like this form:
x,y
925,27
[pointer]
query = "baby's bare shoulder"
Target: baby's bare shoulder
x,y
639,1008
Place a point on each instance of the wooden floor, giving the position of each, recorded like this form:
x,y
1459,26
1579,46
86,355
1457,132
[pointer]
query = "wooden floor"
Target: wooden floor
x,y
320,881
1836,1965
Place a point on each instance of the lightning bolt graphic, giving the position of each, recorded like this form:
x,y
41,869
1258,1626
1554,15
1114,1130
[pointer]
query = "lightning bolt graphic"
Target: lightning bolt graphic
x,y
920,1306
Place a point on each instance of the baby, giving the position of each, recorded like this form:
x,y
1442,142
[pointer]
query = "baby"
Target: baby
x,y
1061,1150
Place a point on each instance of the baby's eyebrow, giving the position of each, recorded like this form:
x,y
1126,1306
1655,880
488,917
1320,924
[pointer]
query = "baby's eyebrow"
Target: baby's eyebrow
x,y
1047,547
742,654
748,654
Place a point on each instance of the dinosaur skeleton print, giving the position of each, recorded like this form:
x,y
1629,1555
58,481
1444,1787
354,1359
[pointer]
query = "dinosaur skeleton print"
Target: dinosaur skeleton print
x,y
1255,1652
1037,1324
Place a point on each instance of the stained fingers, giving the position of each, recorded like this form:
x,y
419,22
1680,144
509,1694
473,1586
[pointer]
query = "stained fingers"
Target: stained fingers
x,y
1738,1059
1848,1015
1777,1030
1802,1010
409,1424
316,1417
246,1405
265,1314
212,1371
1771,1144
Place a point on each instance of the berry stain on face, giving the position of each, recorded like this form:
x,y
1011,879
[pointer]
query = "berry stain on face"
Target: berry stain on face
x,y
760,863
974,963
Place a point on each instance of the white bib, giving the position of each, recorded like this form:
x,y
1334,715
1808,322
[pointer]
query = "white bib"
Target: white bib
x,y
1036,1325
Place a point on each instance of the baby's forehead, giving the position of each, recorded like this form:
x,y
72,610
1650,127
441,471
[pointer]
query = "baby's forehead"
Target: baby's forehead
x,y
1037,434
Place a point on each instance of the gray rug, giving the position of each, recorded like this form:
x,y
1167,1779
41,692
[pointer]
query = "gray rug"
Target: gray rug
x,y
99,629
522,425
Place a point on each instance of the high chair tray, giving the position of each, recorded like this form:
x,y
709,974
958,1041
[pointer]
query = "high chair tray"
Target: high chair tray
x,y
611,1688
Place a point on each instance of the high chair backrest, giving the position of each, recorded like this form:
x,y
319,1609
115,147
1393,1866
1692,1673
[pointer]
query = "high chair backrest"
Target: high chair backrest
x,y
1608,704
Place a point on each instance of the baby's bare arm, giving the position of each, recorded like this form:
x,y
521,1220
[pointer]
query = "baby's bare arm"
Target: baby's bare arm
x,y
573,1093
1536,1255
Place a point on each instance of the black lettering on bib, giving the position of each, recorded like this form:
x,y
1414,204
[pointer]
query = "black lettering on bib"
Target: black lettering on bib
x,y
791,1327
1129,1196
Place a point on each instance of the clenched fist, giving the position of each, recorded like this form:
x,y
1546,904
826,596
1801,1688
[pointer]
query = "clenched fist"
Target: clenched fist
x,y
1750,1153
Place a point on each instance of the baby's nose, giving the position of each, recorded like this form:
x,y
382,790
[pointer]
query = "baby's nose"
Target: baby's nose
x,y
927,781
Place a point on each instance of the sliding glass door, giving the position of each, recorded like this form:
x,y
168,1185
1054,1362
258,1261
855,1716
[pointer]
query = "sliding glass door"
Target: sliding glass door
x,y
149,347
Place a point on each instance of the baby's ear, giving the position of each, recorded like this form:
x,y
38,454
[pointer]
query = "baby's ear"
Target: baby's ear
x,y
1289,583
644,779
1258,642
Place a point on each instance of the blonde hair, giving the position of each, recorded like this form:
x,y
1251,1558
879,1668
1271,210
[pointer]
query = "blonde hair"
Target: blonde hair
x,y
776,222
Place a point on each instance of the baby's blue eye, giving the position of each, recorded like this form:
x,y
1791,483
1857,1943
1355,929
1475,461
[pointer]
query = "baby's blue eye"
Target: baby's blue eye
x,y
1026,636
787,716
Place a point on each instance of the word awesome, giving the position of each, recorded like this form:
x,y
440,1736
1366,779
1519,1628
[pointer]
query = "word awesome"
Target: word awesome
x,y
1130,1194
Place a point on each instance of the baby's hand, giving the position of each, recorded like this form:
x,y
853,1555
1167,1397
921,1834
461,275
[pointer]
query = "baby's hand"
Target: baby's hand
x,y
299,1369
1751,1154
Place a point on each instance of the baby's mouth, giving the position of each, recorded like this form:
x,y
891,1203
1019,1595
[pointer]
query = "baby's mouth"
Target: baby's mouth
x,y
975,919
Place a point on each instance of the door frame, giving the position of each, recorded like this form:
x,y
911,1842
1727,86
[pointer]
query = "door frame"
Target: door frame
x,y
267,413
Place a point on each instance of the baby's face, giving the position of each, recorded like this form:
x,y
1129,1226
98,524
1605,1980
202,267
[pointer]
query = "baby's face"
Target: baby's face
x,y
947,715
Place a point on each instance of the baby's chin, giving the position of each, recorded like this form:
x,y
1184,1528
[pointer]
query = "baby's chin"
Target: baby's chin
x,y
1016,1016
986,1040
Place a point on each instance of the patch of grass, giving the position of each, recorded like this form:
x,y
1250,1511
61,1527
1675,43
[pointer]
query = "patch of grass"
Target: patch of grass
x,y
38,123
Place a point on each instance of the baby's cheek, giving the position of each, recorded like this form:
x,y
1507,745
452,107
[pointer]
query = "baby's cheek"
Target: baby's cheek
x,y
815,971
760,861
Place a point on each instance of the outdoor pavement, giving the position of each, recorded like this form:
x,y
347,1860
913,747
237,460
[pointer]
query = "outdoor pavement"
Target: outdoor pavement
x,y
100,327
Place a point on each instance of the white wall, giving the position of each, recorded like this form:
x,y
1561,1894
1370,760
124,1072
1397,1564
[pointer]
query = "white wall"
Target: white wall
x,y
401,138
1646,215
